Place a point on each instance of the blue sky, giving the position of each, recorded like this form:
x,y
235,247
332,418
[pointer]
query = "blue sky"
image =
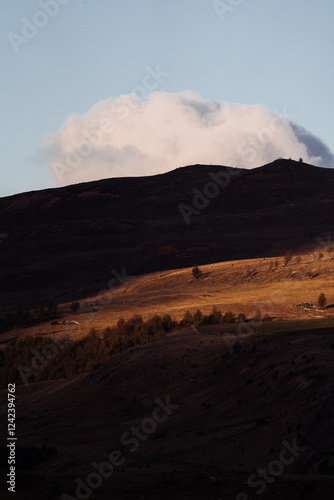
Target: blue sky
x,y
272,53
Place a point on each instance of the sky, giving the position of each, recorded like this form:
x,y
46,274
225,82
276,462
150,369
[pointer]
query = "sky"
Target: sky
x,y
102,88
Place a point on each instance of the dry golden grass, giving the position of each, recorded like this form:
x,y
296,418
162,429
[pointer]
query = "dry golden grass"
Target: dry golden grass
x,y
247,286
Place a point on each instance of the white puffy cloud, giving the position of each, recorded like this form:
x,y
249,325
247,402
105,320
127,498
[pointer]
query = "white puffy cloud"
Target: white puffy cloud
x,y
130,137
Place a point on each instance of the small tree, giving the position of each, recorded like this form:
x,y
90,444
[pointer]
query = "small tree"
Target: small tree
x,y
121,326
257,316
322,301
198,316
187,319
196,272
167,323
52,310
75,307
229,317
217,316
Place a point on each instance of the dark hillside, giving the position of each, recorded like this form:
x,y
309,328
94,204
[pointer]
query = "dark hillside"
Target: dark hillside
x,y
63,243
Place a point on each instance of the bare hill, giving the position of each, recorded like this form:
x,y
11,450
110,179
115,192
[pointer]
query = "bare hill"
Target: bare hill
x,y
63,244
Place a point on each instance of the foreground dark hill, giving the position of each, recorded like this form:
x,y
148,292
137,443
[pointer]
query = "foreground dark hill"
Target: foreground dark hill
x,y
63,244
231,415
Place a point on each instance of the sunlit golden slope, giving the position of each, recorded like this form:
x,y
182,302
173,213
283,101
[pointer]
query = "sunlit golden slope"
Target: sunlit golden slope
x,y
248,286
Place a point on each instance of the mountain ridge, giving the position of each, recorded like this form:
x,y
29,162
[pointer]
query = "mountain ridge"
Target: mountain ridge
x,y
198,214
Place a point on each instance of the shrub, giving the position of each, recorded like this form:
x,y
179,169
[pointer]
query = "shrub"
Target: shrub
x,y
198,317
287,258
322,301
75,307
196,272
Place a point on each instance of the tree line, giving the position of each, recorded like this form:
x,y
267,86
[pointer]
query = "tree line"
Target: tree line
x,y
96,347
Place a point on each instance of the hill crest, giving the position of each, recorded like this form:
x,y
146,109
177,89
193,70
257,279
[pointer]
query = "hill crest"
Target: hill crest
x,y
78,234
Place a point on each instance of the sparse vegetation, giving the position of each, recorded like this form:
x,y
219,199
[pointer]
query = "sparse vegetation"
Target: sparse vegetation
x,y
21,319
196,272
97,347
250,272
100,346
83,355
